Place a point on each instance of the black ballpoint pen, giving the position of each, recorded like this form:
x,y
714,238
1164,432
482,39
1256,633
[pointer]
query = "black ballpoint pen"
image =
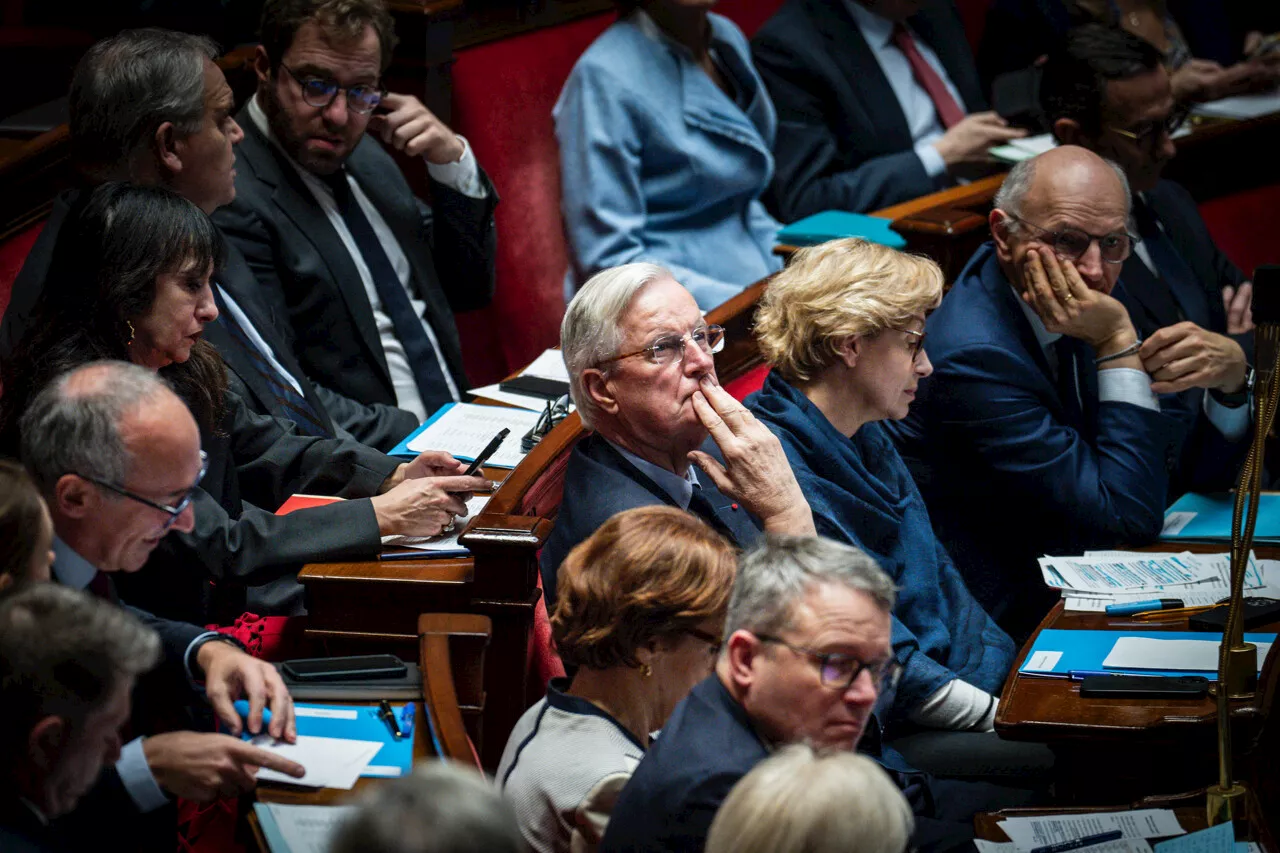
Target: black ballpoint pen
x,y
385,712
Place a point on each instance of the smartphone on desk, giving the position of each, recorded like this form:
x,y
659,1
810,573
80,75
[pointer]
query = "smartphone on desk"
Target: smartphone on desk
x,y
344,668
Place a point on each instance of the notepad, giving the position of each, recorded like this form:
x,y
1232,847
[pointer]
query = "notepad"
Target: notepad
x,y
1147,653
834,224
329,762
464,429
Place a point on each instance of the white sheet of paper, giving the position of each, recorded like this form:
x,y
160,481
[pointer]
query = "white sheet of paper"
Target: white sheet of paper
x,y
994,846
326,713
548,365
1175,521
1088,604
1152,653
1242,106
308,829
1117,574
1043,661
524,401
330,762
445,541
466,428
1031,832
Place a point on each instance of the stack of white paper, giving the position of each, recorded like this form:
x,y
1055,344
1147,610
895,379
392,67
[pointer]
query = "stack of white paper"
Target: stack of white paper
x,y
329,762
1157,654
1099,578
1029,833
445,541
465,429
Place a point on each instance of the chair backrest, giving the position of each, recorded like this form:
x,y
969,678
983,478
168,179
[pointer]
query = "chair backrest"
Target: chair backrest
x,y
1243,226
452,647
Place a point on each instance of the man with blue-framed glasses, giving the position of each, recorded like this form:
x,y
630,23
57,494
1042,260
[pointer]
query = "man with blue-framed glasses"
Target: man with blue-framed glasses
x,y
117,457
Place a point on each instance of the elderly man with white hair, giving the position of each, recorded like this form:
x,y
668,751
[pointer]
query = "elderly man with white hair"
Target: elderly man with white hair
x,y
639,356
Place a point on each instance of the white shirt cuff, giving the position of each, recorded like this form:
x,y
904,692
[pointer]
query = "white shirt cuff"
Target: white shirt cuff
x,y
188,661
462,176
934,165
138,781
1126,385
957,706
1233,423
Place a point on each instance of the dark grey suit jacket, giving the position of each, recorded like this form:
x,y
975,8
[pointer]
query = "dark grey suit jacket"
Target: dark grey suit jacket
x,y
378,426
843,142
313,281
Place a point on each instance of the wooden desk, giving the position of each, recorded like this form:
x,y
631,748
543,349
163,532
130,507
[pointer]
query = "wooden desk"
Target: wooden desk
x,y
1115,750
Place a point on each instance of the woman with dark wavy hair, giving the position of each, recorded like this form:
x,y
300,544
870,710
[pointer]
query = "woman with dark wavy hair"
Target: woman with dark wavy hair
x,y
131,279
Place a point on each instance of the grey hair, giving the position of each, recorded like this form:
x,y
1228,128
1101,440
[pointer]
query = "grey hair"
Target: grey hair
x,y
125,87
77,430
1018,183
62,653
776,573
591,330
440,808
802,801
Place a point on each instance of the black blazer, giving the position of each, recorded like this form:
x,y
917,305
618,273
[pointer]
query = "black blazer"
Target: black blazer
x,y
599,483
843,141
377,426
311,279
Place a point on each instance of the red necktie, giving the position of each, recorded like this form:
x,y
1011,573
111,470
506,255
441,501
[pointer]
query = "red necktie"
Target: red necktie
x,y
101,587
949,112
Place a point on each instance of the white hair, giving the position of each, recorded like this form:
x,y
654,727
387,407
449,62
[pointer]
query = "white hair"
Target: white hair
x,y
1018,183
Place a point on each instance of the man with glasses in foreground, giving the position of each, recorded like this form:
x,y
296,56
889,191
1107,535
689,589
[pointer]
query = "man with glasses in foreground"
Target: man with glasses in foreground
x,y
1108,90
806,656
1039,432
366,275
117,456
639,357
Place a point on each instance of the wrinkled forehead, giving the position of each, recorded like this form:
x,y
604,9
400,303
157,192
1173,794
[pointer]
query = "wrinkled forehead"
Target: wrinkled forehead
x,y
1096,203
660,307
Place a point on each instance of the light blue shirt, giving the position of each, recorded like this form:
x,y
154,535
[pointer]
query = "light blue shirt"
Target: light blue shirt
x,y
679,488
259,343
922,117
74,571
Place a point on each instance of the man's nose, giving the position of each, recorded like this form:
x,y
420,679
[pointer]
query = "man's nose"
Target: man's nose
x,y
237,133
863,691
186,520
697,361
1090,264
337,113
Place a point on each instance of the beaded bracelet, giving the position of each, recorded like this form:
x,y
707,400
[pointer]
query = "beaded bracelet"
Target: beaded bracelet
x,y
1132,349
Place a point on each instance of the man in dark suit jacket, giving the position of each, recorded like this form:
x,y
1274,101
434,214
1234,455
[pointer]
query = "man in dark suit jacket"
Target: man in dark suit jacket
x,y
116,455
878,103
1107,90
367,276
126,124
638,353
1039,432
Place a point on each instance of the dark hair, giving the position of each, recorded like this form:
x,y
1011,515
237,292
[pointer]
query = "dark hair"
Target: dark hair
x,y
344,19
21,520
1074,81
112,247
128,85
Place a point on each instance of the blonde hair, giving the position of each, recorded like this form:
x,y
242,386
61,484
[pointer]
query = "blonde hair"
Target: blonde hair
x,y
802,801
839,290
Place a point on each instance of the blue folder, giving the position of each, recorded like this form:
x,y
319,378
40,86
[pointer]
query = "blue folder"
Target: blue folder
x,y
834,224
1085,650
1212,521
367,725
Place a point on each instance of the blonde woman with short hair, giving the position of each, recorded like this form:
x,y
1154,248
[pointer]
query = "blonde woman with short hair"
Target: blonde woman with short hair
x,y
844,329
802,801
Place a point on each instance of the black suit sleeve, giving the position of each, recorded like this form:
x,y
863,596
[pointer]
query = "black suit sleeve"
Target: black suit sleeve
x,y
463,243
379,426
175,637
810,174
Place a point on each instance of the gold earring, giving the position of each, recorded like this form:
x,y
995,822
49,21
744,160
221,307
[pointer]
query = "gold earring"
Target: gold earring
x,y
131,333
645,670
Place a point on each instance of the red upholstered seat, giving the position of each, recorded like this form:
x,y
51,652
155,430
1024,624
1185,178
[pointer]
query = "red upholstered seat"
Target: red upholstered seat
x,y
12,254
1243,226
973,14
748,383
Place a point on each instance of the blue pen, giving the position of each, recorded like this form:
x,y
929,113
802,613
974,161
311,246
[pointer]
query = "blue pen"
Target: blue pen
x,y
407,719
242,708
1132,607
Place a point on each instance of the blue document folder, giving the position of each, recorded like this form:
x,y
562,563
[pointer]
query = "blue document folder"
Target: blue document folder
x,y
1208,518
396,756
1084,651
834,224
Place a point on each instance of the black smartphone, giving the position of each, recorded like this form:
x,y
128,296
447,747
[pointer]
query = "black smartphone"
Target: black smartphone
x,y
535,386
1257,613
1152,686
489,449
344,668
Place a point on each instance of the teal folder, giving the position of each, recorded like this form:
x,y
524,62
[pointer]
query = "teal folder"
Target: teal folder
x,y
1086,650
1210,519
834,224
396,756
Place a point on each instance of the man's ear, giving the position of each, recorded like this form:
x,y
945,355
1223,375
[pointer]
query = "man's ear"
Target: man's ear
x,y
1068,132
1002,233
74,497
848,349
47,742
168,148
596,386
261,65
740,655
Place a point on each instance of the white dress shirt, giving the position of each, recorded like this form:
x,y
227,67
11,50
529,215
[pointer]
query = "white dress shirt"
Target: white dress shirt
x,y
922,117
679,488
259,343
462,176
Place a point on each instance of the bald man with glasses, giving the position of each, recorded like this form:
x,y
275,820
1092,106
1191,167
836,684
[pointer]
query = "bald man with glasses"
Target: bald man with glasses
x,y
1039,431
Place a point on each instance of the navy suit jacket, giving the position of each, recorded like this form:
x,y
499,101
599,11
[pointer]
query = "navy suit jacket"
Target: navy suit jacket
x,y
1010,472
599,483
1208,462
312,280
843,142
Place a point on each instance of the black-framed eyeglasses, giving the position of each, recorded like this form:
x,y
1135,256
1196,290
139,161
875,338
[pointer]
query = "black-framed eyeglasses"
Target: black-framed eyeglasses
x,y
711,640
916,345
838,671
320,92
172,511
1072,243
669,348
1148,134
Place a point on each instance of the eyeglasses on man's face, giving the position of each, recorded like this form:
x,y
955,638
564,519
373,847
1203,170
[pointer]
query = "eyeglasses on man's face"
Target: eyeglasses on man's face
x,y
670,348
1148,134
319,92
838,671
1073,243
172,511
